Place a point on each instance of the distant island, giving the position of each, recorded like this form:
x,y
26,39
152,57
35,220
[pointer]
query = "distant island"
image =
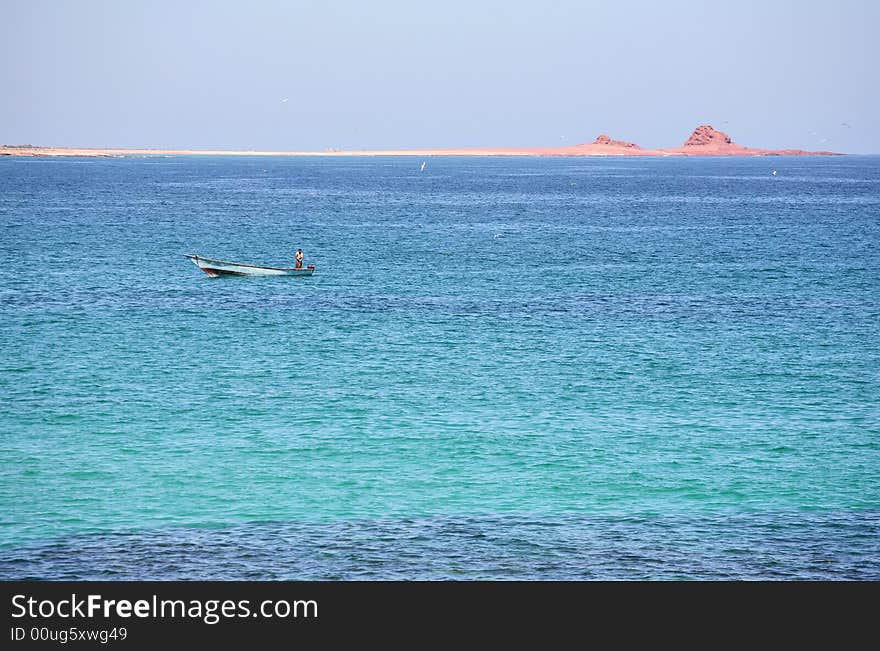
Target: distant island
x,y
704,141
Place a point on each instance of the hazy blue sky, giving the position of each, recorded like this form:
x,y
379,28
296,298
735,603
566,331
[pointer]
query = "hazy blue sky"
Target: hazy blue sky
x,y
415,73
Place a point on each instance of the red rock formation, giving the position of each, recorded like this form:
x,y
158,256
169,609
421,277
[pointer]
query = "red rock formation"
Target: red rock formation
x,y
602,139
708,141
705,135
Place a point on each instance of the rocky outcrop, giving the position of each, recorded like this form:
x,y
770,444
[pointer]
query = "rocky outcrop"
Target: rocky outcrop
x,y
603,139
708,141
707,136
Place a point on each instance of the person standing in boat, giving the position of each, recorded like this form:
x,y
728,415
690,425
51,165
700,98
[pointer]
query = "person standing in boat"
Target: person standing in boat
x,y
299,258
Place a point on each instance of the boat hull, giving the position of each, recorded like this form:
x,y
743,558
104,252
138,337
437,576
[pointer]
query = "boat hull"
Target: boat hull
x,y
216,268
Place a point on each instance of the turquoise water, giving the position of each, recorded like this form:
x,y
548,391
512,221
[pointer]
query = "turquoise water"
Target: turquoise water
x,y
503,368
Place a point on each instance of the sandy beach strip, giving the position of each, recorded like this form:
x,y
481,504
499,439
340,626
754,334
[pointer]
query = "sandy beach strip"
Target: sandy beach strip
x,y
585,150
704,141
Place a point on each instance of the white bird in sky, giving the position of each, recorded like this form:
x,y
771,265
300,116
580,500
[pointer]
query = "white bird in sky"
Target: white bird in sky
x,y
284,101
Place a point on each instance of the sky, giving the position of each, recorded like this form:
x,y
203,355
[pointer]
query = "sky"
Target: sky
x,y
326,74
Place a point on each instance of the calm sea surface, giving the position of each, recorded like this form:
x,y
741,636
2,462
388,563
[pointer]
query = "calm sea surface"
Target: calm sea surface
x,y
503,368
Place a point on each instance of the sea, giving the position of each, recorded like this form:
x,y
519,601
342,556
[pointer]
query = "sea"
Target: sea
x,y
502,368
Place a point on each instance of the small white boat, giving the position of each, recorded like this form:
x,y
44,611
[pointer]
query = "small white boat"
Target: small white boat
x,y
215,268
